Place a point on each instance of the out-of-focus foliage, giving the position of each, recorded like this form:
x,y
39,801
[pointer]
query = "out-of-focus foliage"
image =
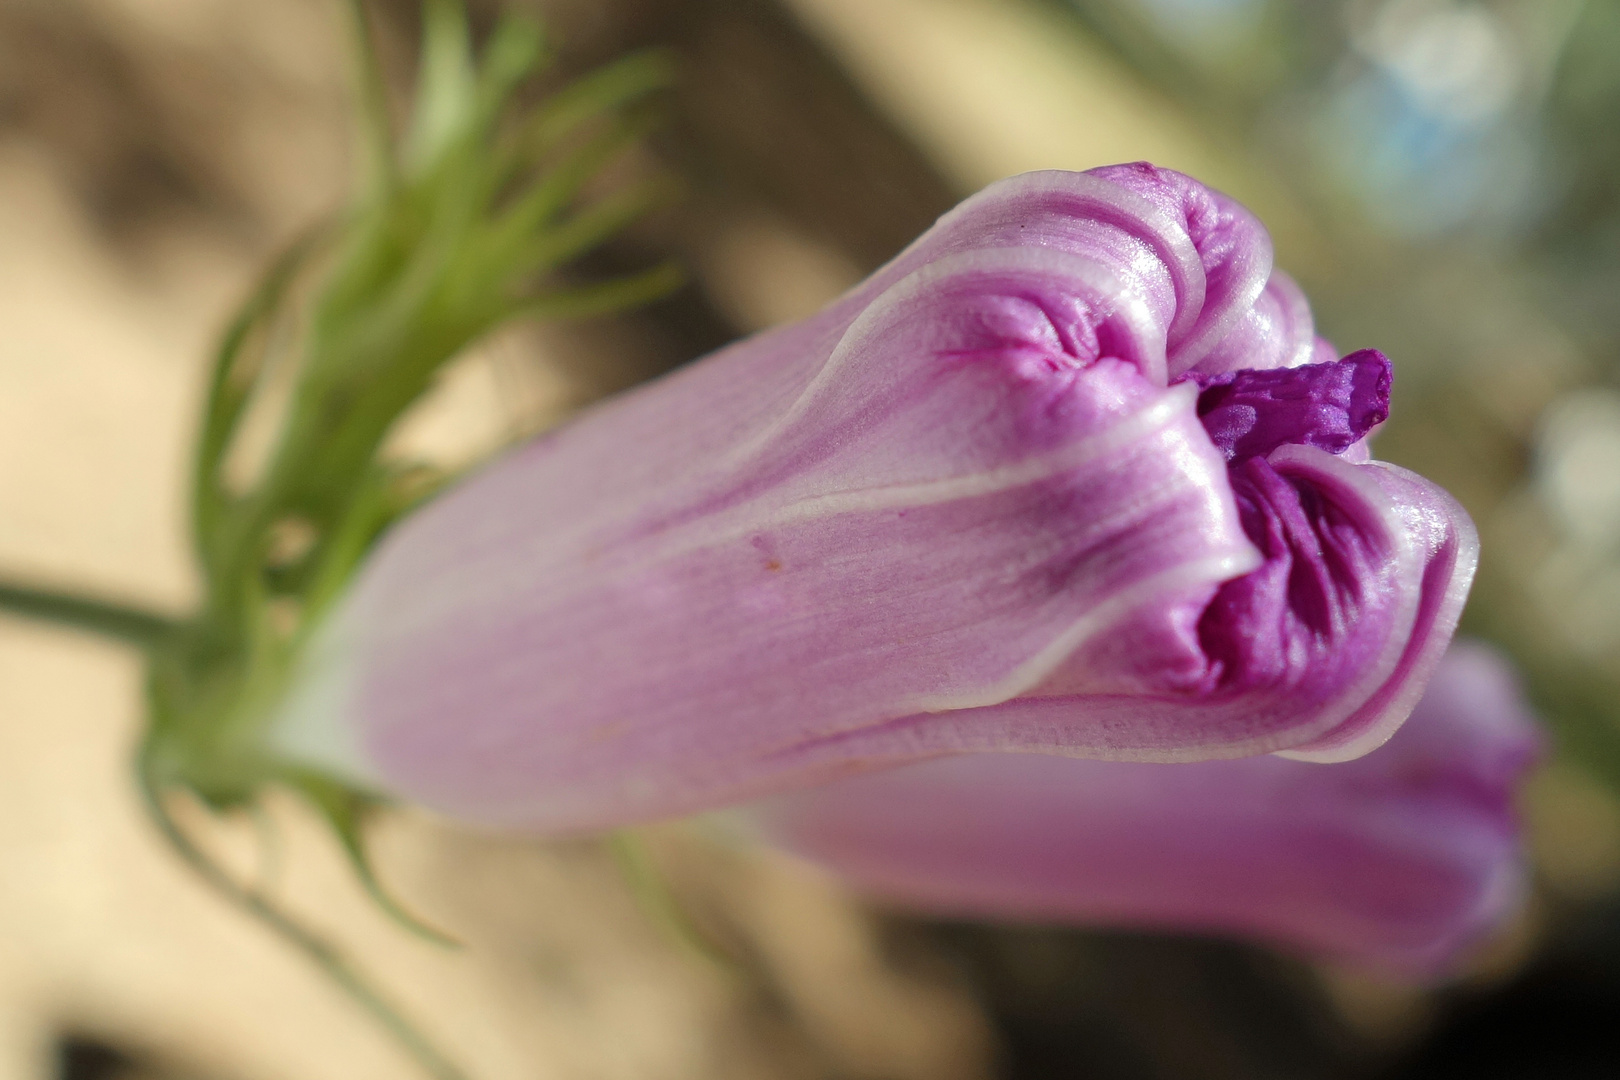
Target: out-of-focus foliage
x,y
1429,116
462,225
1579,237
1463,155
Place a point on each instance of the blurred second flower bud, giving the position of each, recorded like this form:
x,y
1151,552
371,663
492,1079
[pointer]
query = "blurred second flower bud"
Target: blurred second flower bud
x,y
1399,860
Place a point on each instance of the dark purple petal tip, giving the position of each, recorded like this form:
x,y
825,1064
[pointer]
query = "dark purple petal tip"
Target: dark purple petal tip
x,y
1331,406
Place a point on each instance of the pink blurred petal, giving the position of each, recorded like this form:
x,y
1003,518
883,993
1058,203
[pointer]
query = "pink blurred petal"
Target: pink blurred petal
x,y
1399,859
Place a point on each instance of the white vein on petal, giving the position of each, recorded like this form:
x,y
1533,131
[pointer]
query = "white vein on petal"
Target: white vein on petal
x,y
307,726
748,520
1160,231
1092,274
1186,355
1173,404
1327,469
1212,569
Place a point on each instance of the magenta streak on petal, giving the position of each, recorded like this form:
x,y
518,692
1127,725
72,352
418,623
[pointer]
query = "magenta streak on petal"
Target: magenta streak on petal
x,y
1449,548
1232,246
1316,578
1317,640
972,505
1401,859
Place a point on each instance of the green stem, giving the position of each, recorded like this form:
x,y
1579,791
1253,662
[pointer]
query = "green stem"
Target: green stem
x,y
322,953
133,626
377,126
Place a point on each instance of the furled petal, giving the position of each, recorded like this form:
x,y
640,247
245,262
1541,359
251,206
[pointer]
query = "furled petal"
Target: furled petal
x,y
1400,858
1277,332
1234,253
971,505
1330,406
1320,653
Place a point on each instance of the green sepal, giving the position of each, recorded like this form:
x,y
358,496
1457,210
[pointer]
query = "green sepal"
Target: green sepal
x,y
626,80
371,97
659,903
607,296
346,812
239,362
156,783
446,81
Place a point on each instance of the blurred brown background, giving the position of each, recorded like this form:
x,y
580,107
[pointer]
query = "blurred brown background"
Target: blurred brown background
x,y
153,153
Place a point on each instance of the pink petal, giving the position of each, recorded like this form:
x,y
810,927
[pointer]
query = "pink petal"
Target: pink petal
x,y
1399,859
971,505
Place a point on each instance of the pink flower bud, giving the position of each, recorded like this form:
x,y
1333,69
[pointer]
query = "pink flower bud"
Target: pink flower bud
x,y
970,506
1399,859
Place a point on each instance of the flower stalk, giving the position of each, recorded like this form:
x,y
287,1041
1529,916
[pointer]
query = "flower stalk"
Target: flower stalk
x,y
121,622
464,222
